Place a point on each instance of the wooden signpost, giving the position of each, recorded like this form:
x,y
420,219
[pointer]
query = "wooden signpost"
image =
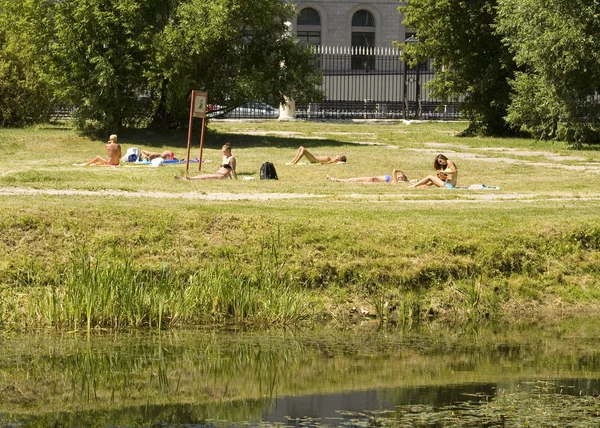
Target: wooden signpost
x,y
197,109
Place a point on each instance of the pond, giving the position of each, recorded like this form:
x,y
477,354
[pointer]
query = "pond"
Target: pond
x,y
534,375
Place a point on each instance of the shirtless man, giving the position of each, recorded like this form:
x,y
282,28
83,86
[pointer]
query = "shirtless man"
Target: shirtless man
x,y
114,154
147,155
397,176
316,159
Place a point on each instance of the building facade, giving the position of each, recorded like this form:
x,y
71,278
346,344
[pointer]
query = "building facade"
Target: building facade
x,y
370,23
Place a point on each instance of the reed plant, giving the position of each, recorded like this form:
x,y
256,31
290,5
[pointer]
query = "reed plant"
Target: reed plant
x,y
110,292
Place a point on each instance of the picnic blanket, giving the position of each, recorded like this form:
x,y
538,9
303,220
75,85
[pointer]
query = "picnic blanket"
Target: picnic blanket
x,y
166,161
478,187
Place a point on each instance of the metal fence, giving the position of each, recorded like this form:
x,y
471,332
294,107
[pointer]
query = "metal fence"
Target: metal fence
x,y
373,83
358,83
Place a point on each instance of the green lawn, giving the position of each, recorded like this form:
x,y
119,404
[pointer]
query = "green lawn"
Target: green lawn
x,y
173,252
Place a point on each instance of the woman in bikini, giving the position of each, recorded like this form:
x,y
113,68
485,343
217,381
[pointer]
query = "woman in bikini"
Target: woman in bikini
x,y
397,176
446,175
227,169
302,152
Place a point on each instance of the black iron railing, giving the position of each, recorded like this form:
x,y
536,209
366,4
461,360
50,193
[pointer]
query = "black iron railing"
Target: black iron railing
x,y
373,83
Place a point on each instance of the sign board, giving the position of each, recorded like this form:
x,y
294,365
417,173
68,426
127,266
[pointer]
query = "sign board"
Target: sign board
x,y
198,106
200,101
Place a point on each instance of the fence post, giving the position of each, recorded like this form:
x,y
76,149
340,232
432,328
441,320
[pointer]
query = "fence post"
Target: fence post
x,y
287,110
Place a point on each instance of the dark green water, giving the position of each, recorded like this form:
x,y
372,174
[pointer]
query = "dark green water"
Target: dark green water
x,y
538,375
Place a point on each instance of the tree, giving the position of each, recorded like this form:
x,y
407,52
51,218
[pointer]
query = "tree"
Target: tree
x,y
26,90
557,45
135,62
102,51
469,58
236,50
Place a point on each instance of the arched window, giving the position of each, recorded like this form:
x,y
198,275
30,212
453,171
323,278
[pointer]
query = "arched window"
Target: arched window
x,y
309,16
363,35
363,18
309,26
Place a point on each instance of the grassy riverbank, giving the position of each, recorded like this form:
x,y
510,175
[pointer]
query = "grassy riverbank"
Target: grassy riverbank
x,y
132,247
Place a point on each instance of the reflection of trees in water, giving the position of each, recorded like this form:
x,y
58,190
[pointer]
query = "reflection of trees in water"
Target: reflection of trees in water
x,y
242,376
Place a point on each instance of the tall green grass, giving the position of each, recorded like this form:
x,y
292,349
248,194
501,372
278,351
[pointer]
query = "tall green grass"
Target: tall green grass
x,y
113,292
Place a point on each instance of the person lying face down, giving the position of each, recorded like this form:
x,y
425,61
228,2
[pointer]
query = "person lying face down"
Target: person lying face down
x,y
302,152
396,177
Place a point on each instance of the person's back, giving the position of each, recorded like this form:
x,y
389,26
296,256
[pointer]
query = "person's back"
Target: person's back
x,y
114,150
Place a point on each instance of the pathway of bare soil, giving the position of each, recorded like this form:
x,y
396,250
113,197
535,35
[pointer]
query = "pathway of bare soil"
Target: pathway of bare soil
x,y
472,196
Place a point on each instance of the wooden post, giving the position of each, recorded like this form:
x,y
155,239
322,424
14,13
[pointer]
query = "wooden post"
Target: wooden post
x,y
201,144
189,140
197,109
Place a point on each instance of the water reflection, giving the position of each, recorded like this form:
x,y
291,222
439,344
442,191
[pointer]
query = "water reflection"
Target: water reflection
x,y
335,406
317,378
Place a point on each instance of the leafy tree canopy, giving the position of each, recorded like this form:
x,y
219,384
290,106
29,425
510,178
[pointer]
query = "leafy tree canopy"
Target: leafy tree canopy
x,y
135,62
468,56
26,94
557,45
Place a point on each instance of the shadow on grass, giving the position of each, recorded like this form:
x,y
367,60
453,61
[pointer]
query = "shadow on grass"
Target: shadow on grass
x,y
214,140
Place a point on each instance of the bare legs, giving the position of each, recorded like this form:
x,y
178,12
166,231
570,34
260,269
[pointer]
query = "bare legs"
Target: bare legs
x,y
379,179
397,176
428,181
202,177
98,160
303,152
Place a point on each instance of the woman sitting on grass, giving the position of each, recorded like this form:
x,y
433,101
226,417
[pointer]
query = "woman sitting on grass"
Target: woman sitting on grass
x,y
397,176
446,175
227,169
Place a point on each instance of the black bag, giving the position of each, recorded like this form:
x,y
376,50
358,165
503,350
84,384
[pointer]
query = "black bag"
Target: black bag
x,y
267,171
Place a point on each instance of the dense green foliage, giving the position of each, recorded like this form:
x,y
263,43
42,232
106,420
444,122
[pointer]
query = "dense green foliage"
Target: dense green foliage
x,y
557,44
468,57
103,50
522,65
26,94
134,63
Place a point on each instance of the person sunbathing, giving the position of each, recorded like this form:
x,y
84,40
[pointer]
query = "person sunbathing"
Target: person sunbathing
x,y
396,177
446,174
114,154
223,173
227,169
302,152
147,155
229,159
